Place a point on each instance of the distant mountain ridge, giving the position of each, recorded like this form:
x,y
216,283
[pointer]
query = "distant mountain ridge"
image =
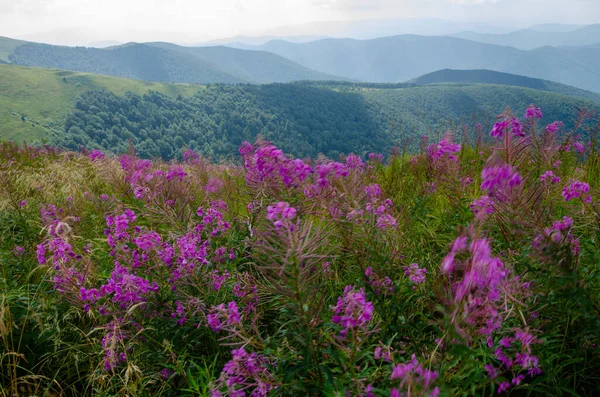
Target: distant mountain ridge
x,y
529,39
163,62
400,58
484,76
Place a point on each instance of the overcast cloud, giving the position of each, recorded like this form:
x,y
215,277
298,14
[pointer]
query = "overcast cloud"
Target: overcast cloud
x,y
78,21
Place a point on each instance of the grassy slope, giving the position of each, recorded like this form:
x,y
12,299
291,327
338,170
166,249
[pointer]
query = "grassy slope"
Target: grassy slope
x,y
44,98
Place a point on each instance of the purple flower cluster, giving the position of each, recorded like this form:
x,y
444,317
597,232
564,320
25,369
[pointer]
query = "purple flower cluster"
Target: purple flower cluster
x,y
533,113
267,164
127,289
352,310
280,213
482,207
415,379
245,374
444,147
383,353
380,284
549,177
476,292
576,189
558,235
554,127
500,181
503,125
415,273
220,315
515,356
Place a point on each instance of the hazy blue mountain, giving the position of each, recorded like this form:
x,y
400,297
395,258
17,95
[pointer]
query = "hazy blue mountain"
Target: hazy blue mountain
x,y
164,62
104,44
555,27
240,41
372,28
491,77
400,58
529,39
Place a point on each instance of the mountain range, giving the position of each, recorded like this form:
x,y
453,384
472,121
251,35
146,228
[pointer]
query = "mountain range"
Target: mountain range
x,y
385,59
528,39
162,62
400,58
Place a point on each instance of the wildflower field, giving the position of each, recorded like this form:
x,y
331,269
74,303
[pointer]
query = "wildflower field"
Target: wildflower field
x,y
471,268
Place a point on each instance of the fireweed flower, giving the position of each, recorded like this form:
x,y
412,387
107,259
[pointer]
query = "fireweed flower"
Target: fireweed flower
x,y
476,292
515,359
383,352
533,113
560,234
244,373
127,289
386,221
96,155
499,128
415,273
23,203
499,181
352,310
443,147
280,213
214,185
482,207
414,377
516,128
549,177
575,189
380,284
376,157
373,191
578,146
221,315
554,127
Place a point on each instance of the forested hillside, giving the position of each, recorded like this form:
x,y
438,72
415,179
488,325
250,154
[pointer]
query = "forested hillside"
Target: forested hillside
x,y
302,119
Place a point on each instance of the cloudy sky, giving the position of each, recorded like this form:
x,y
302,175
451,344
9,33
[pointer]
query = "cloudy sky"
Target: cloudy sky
x,y
77,21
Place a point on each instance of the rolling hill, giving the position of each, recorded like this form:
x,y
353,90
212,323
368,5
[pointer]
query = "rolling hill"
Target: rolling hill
x,y
35,102
400,58
163,62
491,77
306,118
528,39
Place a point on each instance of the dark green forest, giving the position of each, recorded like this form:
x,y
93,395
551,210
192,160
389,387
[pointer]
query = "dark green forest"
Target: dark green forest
x,y
303,119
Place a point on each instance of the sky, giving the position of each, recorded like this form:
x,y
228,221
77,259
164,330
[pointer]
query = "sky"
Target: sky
x,y
192,21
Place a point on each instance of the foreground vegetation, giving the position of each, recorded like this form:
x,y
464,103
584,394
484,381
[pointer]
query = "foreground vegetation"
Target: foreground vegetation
x,y
469,269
